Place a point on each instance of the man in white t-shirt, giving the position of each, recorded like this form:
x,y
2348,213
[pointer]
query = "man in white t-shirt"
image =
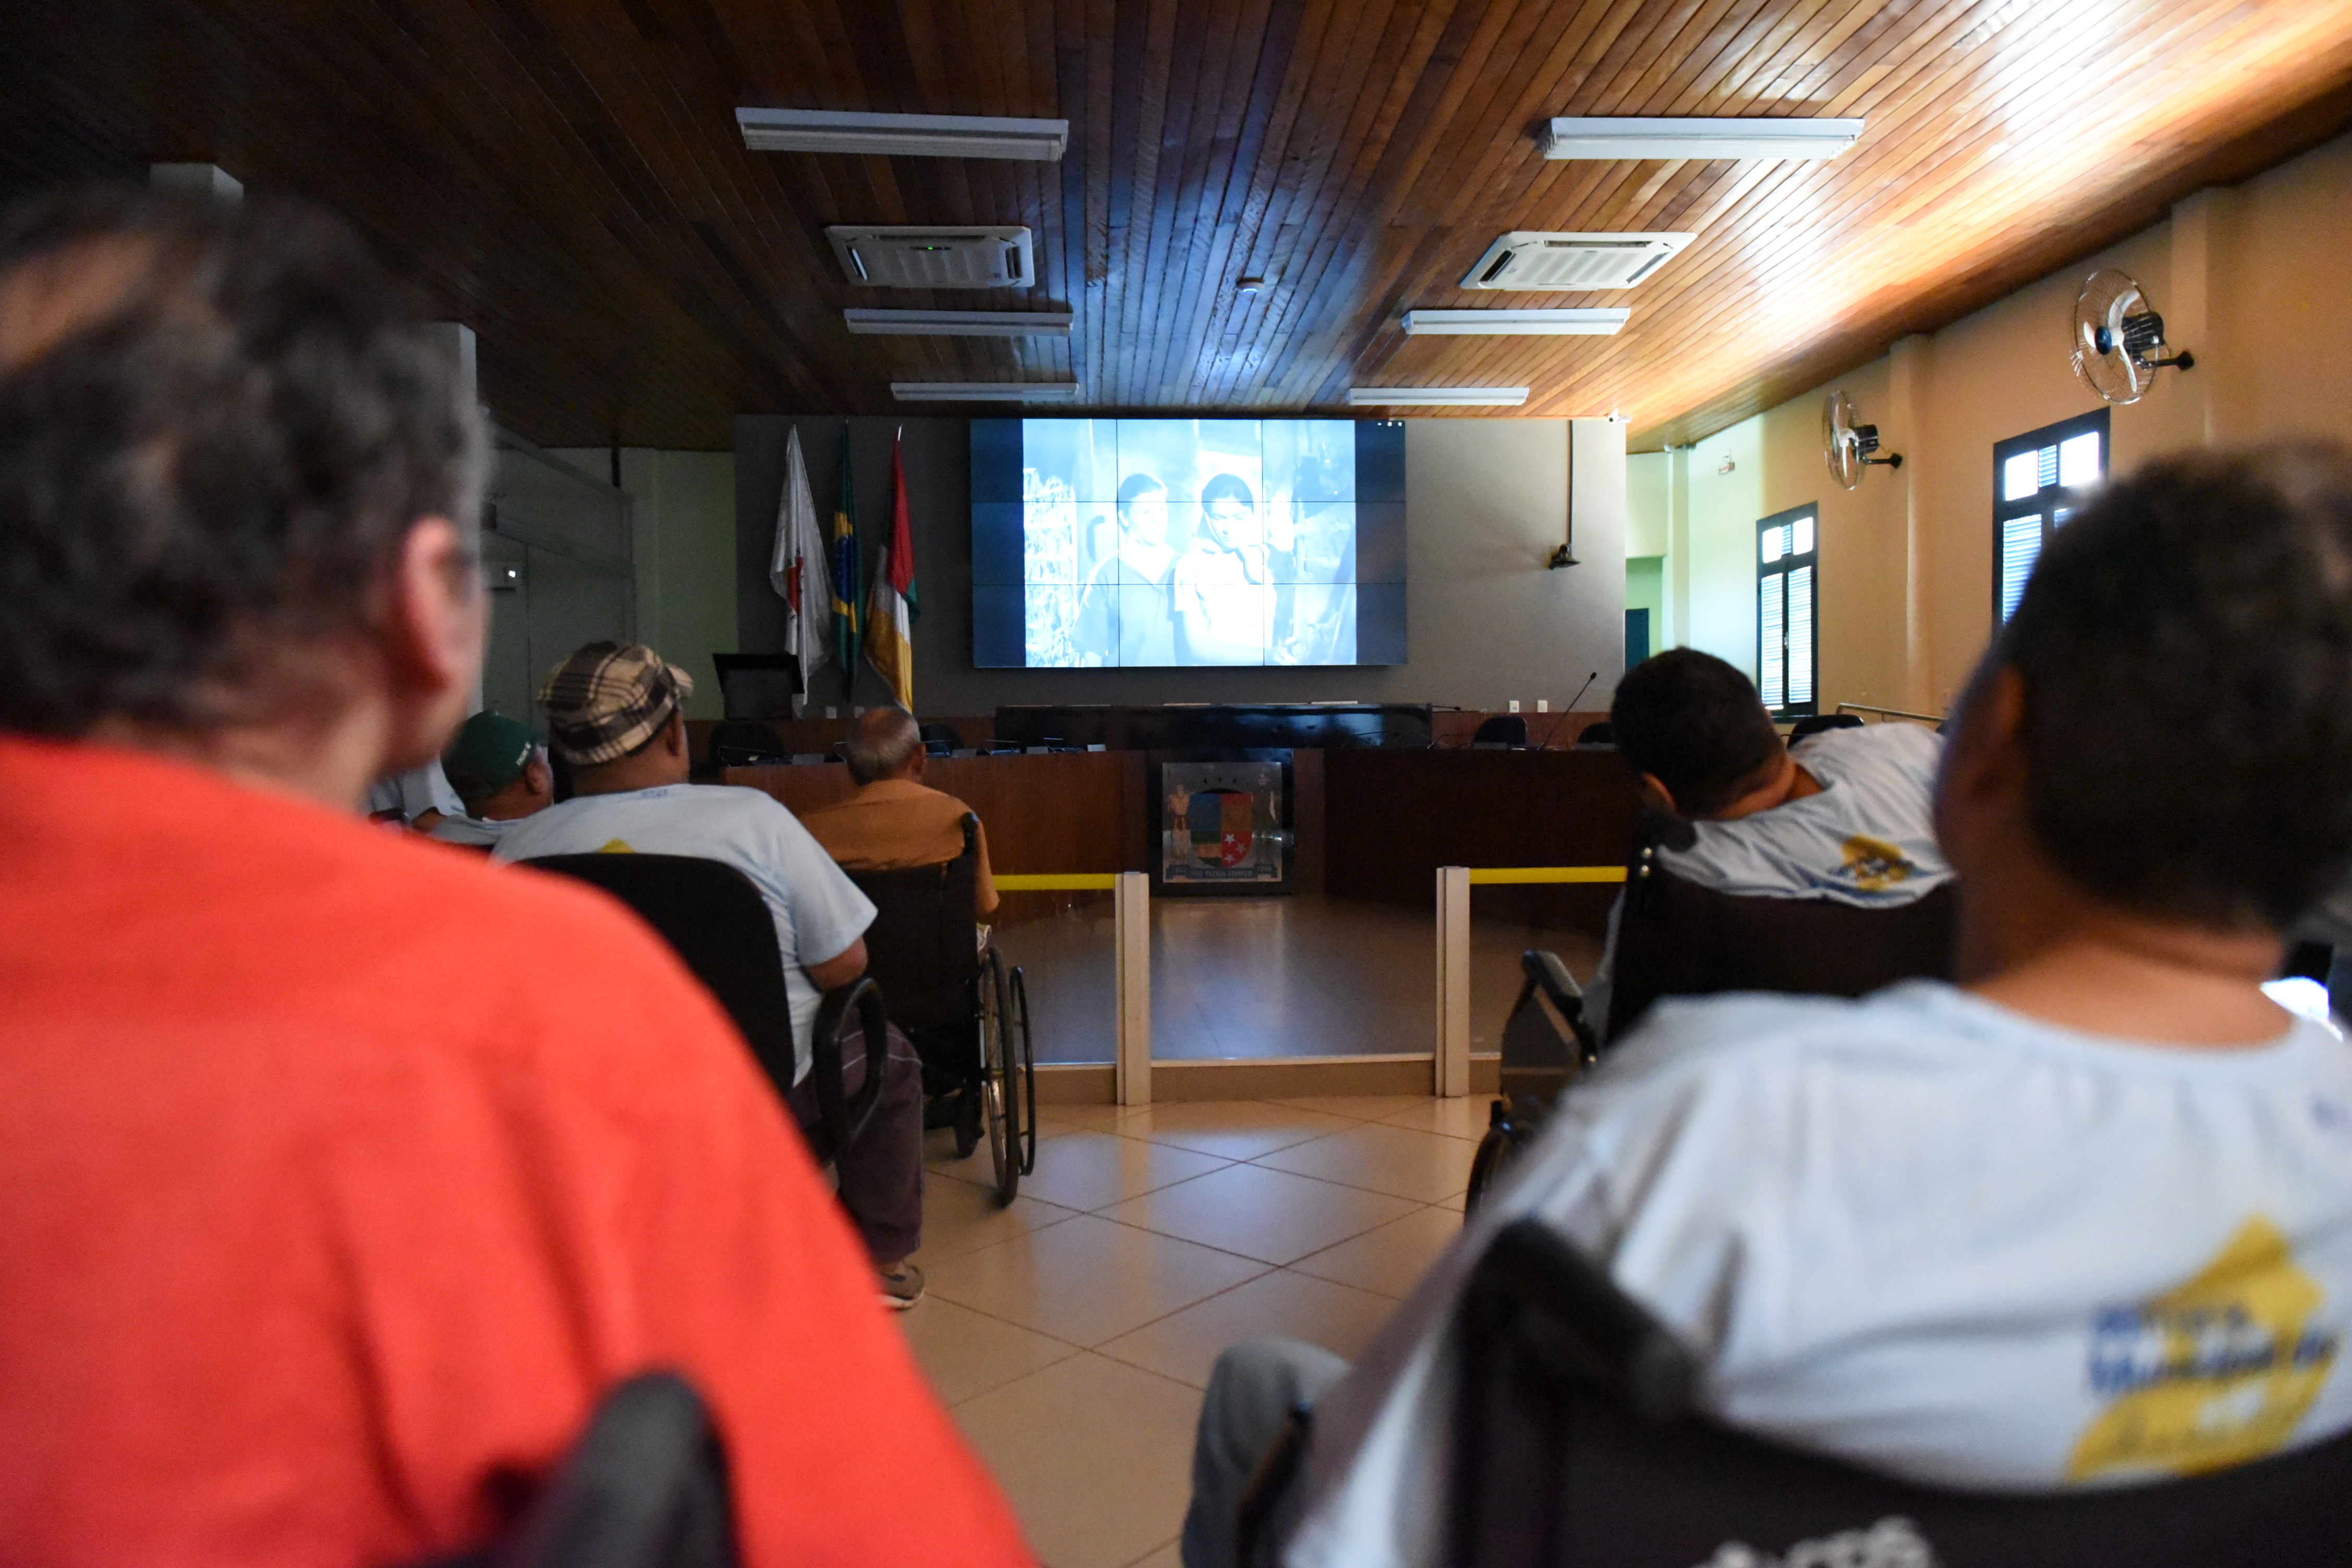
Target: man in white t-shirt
x,y
2084,1218
1845,815
617,715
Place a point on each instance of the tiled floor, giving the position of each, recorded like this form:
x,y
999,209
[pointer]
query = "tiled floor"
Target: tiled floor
x,y
1072,1333
1307,976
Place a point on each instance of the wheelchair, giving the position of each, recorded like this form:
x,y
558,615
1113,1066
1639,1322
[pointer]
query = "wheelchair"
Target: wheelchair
x,y
1675,938
967,1015
1578,1447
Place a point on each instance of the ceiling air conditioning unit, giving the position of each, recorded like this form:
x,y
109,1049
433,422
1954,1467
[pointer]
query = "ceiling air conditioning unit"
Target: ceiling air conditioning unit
x,y
1526,259
918,258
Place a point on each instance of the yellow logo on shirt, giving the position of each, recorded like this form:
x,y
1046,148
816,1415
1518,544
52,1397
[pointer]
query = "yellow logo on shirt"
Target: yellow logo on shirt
x,y
1875,864
618,847
2216,1372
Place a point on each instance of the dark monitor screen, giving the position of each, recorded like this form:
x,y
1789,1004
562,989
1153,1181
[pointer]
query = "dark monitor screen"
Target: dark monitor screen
x,y
1111,544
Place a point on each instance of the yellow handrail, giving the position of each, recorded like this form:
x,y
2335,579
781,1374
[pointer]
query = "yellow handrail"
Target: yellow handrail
x,y
1058,883
1490,875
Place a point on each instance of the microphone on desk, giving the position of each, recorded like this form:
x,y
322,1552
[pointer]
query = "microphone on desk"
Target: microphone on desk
x,y
1552,733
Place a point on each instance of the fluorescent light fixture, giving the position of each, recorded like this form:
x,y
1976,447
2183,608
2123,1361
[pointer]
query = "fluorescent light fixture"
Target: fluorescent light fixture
x,y
984,390
902,135
1437,396
1597,321
1728,137
959,323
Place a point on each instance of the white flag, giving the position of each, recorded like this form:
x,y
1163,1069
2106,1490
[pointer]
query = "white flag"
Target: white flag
x,y
797,569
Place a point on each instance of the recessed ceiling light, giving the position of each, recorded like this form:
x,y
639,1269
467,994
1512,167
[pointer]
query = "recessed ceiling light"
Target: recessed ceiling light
x,y
1596,322
957,323
1726,137
1437,396
984,390
902,135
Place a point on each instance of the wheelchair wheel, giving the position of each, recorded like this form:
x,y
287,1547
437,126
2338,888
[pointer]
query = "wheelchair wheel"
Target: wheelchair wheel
x,y
1504,1135
1028,1067
1000,1100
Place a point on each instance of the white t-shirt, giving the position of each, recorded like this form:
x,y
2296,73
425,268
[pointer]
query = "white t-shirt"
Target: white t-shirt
x,y
1214,590
479,832
1924,1233
819,910
1866,838
414,793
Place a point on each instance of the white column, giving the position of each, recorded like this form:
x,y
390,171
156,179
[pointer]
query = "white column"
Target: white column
x,y
197,180
1452,1054
2190,307
1908,368
1131,935
459,338
1678,548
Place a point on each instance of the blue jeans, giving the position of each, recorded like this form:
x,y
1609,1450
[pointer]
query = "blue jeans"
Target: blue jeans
x,y
1253,1392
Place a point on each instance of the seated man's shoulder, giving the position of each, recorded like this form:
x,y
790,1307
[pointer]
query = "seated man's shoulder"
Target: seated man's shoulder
x,y
1731,1045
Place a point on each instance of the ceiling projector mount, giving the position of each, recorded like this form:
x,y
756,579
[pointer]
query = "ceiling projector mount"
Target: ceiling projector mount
x,y
2119,338
1850,448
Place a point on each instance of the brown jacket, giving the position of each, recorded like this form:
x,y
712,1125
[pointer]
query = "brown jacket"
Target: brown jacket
x,y
891,824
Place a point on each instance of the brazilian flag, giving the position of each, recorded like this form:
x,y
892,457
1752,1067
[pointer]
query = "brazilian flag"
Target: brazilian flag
x,y
846,596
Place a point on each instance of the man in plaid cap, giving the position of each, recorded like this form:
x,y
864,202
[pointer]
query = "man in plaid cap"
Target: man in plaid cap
x,y
616,715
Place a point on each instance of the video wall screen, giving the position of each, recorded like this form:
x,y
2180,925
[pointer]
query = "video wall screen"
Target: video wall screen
x,y
1126,543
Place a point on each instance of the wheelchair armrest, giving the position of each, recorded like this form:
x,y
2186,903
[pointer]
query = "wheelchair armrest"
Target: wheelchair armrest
x,y
843,1116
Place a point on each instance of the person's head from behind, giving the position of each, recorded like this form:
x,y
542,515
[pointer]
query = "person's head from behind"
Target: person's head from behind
x,y
1142,510
884,743
1228,508
616,716
239,485
494,764
1694,730
2161,737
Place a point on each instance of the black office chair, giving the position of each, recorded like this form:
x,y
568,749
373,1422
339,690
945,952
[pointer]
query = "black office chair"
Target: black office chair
x,y
1812,724
942,740
714,917
745,742
1577,1447
1500,731
644,1487
1599,732
954,998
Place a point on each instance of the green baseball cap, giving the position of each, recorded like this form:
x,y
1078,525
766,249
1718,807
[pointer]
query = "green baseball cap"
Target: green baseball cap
x,y
489,753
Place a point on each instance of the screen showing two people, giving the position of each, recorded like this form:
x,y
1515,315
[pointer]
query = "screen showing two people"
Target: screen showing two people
x,y
1105,544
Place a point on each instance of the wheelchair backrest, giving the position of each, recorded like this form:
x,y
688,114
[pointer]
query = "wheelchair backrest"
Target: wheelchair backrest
x,y
1576,1447
1675,938
716,921
922,948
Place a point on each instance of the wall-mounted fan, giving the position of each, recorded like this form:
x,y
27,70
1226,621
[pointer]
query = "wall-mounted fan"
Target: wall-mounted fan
x,y
1849,446
2119,338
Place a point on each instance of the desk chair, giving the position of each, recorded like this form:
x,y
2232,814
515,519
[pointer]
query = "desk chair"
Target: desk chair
x,y
1501,731
942,740
719,925
950,994
1577,1447
644,1487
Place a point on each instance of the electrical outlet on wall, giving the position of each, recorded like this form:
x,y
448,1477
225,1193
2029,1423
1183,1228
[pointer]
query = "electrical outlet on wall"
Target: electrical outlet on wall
x,y
1515,704
1543,705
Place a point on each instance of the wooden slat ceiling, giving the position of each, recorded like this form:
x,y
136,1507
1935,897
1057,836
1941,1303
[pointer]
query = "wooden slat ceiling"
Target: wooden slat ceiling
x,y
567,176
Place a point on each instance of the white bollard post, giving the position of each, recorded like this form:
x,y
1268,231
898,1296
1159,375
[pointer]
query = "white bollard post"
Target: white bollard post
x,y
1132,934
1452,1055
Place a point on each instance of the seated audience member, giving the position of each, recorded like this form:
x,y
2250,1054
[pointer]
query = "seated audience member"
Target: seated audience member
x,y
496,769
617,717
414,798
341,1176
2083,1218
1844,815
895,820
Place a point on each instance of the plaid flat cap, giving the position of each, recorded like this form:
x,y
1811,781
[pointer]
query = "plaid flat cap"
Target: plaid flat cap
x,y
608,699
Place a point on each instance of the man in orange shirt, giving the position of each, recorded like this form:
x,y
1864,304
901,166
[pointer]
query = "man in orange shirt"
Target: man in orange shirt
x,y
895,819
341,1173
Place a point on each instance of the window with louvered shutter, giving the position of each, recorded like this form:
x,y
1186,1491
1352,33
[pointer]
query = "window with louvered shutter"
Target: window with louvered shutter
x,y
2039,479
1788,632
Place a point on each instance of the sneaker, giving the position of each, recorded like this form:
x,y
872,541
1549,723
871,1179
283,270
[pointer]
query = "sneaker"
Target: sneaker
x,y
902,1285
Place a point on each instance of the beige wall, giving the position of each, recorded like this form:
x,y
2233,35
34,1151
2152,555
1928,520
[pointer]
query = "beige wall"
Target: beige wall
x,y
2246,280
